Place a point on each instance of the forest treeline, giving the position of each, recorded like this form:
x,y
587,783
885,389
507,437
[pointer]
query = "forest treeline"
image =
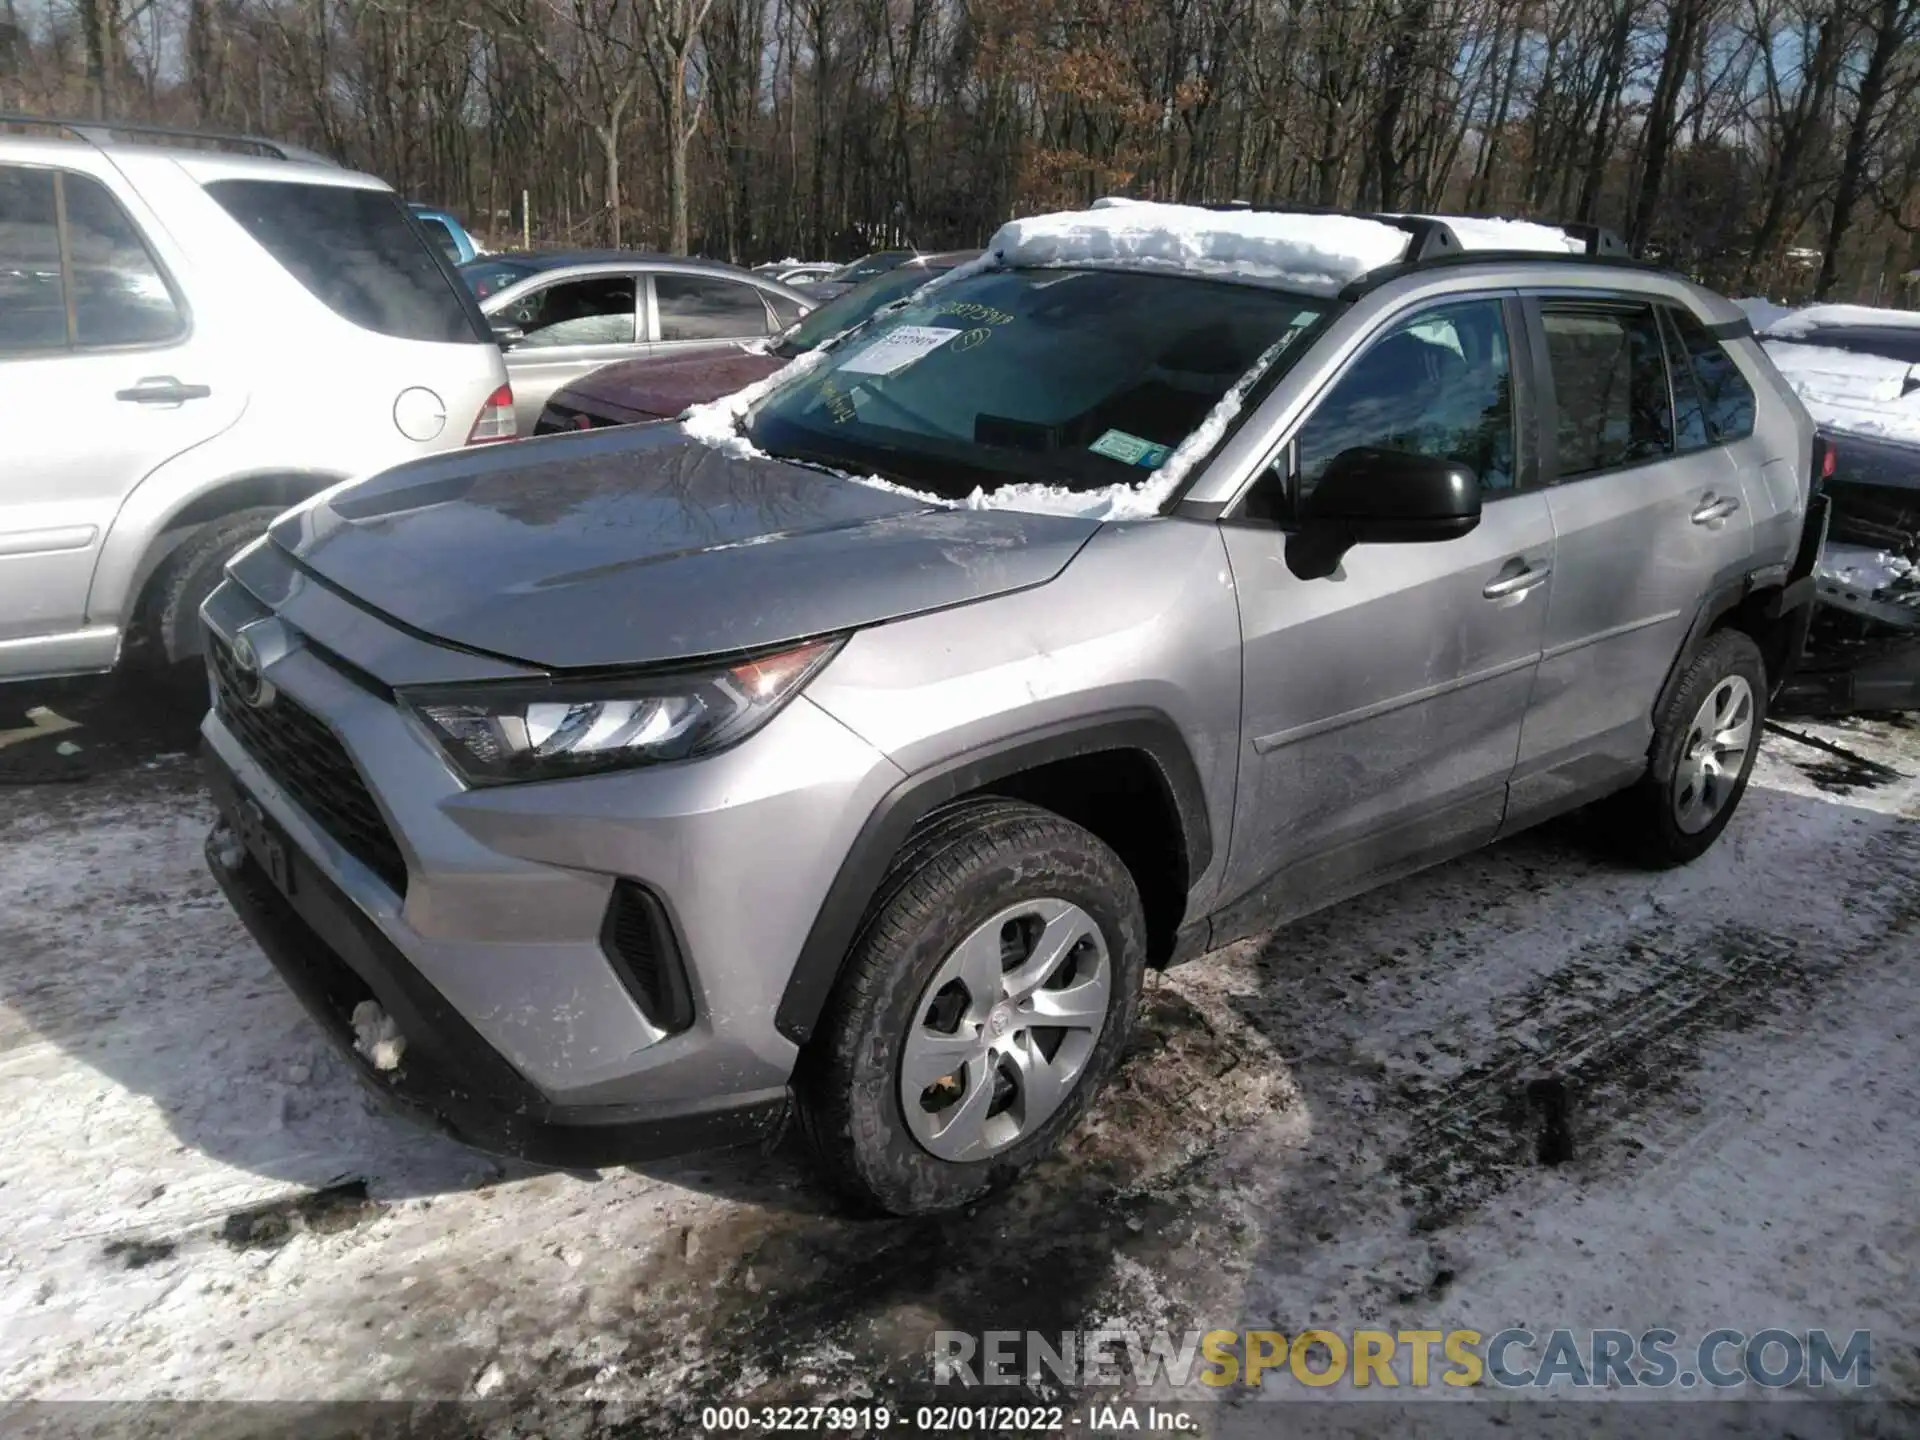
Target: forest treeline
x,y
1764,145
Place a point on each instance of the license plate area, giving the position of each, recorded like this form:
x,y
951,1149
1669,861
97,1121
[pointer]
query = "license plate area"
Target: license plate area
x,y
265,841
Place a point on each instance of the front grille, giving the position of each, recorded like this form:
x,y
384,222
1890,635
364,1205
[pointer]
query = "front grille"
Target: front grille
x,y
296,748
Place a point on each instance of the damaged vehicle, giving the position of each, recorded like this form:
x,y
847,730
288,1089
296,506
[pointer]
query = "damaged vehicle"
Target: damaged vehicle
x,y
851,747
1858,371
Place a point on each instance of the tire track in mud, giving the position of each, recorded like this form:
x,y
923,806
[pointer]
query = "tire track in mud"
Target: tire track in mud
x,y
1600,1046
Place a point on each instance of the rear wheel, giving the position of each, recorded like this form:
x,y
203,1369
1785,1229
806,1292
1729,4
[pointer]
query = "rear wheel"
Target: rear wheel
x,y
1705,741
987,997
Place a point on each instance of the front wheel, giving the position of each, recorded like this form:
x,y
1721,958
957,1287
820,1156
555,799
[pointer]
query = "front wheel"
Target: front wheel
x,y
1705,741
989,994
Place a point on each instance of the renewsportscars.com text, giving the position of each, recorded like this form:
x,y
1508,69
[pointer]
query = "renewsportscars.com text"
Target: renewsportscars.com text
x,y
1720,1360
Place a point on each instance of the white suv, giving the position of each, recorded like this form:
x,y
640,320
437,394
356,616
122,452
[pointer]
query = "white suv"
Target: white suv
x,y
190,342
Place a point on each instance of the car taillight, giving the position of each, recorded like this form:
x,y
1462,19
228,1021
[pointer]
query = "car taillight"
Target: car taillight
x,y
495,421
1824,460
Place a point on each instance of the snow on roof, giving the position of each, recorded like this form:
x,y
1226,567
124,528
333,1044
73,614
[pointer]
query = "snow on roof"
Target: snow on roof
x,y
1317,254
1847,391
1761,314
1475,233
1822,317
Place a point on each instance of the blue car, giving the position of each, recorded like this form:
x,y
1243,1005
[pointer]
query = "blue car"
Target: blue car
x,y
446,232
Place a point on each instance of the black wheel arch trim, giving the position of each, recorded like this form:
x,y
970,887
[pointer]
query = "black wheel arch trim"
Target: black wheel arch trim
x,y
919,794
1790,604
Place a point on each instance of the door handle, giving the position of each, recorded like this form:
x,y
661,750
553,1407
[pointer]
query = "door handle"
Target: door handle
x,y
1710,510
1516,584
162,390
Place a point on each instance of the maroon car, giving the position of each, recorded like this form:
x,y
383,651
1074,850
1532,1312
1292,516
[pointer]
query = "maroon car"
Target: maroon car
x,y
661,386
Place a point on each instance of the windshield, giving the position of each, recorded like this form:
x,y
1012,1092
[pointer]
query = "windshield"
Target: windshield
x,y
848,310
868,266
1075,378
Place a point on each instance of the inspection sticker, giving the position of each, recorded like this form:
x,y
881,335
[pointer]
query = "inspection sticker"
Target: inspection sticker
x,y
1130,449
896,350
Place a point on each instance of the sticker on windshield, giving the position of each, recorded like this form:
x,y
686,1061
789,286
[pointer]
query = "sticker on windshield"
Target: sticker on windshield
x,y
1131,449
896,350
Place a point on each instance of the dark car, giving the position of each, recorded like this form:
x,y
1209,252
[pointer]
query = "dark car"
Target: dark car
x,y
656,387
1858,372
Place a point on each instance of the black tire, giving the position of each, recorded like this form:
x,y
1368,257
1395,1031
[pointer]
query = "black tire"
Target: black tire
x,y
1642,821
954,873
188,576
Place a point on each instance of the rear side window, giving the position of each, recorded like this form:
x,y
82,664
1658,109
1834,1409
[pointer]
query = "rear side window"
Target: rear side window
x,y
785,312
1689,413
1724,392
438,232
1609,385
358,252
106,292
694,307
33,301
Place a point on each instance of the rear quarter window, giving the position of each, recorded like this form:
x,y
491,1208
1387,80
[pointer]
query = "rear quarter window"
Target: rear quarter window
x,y
1725,396
359,253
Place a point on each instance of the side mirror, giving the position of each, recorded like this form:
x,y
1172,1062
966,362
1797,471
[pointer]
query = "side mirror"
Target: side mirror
x,y
506,334
1381,497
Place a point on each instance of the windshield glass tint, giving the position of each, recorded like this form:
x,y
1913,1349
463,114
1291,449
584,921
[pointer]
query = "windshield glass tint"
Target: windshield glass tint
x,y
1076,378
357,251
848,310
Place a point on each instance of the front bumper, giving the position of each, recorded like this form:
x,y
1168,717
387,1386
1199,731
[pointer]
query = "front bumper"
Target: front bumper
x,y
492,924
333,957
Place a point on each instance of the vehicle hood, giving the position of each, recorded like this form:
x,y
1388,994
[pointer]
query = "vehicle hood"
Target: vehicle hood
x,y
637,546
663,386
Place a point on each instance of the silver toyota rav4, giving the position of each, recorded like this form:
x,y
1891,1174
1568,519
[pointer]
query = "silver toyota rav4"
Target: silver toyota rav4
x,y
614,794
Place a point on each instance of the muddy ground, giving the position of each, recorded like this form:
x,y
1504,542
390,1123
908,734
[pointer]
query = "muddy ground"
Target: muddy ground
x,y
1528,1088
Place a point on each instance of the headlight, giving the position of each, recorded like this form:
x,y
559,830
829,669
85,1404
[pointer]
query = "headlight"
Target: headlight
x,y
551,729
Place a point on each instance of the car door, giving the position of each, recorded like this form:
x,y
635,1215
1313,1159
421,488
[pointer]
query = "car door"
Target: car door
x,y
694,312
1647,523
103,378
1382,706
570,326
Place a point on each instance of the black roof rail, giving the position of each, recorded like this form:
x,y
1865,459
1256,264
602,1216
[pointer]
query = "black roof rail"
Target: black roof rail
x,y
1374,279
100,134
1427,238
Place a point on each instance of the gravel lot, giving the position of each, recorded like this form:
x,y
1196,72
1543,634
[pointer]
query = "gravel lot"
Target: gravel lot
x,y
1328,1127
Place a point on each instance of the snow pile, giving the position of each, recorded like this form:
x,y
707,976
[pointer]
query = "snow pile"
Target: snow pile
x,y
1802,324
1474,233
1316,254
377,1037
1862,568
717,423
1846,391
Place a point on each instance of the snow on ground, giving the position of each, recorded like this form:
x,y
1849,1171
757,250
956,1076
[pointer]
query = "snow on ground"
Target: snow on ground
x,y
197,1200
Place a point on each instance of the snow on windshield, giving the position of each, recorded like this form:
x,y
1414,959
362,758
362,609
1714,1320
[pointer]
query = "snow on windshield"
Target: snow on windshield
x,y
1309,253
1848,391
